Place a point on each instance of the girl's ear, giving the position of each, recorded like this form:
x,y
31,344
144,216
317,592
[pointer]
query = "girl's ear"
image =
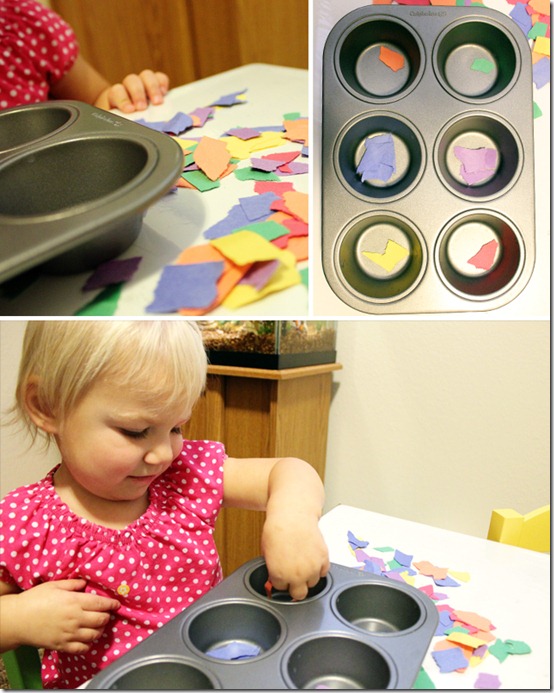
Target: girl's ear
x,y
44,420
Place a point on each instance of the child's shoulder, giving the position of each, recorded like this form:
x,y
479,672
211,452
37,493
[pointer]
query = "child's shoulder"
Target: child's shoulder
x,y
27,494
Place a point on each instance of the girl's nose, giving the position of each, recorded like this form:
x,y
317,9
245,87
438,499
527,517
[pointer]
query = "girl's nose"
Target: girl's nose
x,y
161,453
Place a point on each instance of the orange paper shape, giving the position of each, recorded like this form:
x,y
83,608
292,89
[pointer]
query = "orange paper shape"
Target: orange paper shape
x,y
480,622
230,277
212,157
298,246
296,130
297,204
392,59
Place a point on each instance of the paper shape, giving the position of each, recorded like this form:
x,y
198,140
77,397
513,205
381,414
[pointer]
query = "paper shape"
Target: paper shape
x,y
112,272
477,165
212,157
200,115
379,159
446,582
487,681
269,230
199,181
499,650
391,58
356,543
449,660
278,187
295,168
246,247
260,273
104,304
427,568
392,255
541,72
423,681
402,558
517,647
235,650
521,17
258,206
462,638
242,149
473,619
296,130
296,203
230,99
482,65
299,247
284,277
250,173
235,219
243,133
542,45
263,164
485,257
186,286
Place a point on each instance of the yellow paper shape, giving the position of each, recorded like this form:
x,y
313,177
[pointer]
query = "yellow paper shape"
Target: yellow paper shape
x,y
242,149
459,575
465,639
184,144
542,45
394,253
410,579
244,247
243,294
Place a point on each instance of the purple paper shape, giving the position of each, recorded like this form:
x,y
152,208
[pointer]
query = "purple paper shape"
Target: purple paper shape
x,y
243,133
293,169
450,660
202,114
186,286
257,207
229,99
356,543
541,72
179,123
487,681
112,272
521,17
235,650
235,219
260,273
444,624
379,159
371,567
264,164
477,165
446,582
403,558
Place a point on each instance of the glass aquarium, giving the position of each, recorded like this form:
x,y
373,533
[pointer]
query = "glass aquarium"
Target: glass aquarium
x,y
270,343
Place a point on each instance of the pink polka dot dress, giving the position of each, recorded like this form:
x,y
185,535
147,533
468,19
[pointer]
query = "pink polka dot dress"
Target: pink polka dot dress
x,y
155,567
37,48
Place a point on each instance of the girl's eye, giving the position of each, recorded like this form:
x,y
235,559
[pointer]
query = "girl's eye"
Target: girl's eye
x,y
134,434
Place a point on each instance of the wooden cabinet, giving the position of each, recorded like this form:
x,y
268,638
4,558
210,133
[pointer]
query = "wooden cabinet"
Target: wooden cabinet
x,y
187,39
262,413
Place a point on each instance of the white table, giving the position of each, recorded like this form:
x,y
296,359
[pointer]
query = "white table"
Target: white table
x,y
508,585
178,220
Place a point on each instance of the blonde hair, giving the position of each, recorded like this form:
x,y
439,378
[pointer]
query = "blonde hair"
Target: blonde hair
x,y
163,361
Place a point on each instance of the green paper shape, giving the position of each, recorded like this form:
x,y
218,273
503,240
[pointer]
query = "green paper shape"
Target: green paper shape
x,y
482,65
395,565
250,173
305,276
384,548
456,629
295,115
536,111
423,681
538,29
267,229
200,180
517,647
499,650
105,303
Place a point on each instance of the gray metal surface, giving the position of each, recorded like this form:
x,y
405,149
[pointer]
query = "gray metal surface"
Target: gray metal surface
x,y
75,182
354,630
463,83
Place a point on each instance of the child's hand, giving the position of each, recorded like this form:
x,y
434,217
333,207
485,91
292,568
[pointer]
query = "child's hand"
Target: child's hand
x,y
60,616
295,553
135,92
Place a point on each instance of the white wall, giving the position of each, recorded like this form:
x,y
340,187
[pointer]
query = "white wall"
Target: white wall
x,y
436,422
439,422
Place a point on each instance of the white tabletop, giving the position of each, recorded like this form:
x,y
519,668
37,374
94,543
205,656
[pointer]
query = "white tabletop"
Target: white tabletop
x,y
507,585
178,220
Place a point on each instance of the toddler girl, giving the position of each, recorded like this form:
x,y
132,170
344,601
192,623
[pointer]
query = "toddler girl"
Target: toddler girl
x,y
40,60
118,538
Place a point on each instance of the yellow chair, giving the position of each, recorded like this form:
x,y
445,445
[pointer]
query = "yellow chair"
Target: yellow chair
x,y
531,531
22,667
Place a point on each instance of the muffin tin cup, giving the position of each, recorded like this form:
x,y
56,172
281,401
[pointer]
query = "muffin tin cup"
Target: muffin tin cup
x,y
354,630
455,139
75,182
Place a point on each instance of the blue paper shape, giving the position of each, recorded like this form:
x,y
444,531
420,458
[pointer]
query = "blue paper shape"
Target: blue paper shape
x,y
235,650
379,159
446,582
236,218
521,17
229,99
186,286
450,660
541,72
403,558
356,543
257,207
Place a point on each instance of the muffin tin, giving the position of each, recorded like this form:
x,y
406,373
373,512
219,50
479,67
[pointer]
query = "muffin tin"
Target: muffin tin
x,y
74,183
354,630
427,159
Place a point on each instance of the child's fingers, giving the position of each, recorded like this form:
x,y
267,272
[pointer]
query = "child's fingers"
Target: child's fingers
x,y
155,85
119,97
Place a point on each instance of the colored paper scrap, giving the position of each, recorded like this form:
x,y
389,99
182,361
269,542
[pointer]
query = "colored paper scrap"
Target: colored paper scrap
x,y
258,206
260,273
212,157
379,159
538,29
521,17
245,247
243,133
462,576
449,660
112,272
270,230
464,639
296,130
105,303
356,543
249,173
477,165
482,65
403,558
427,568
186,286
541,72
296,204
236,218
392,255
230,99
201,115
200,181
242,149
423,681
473,619
264,164
542,45
391,58
517,647
283,278
487,681
485,257
499,650
446,582
234,650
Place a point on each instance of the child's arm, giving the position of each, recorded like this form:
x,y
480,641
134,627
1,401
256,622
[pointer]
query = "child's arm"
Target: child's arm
x,y
291,493
84,83
55,615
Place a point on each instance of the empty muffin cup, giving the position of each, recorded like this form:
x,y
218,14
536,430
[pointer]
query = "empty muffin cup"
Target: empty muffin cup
x,y
476,60
379,157
161,672
379,58
381,256
256,581
479,254
378,608
27,124
235,631
478,156
339,662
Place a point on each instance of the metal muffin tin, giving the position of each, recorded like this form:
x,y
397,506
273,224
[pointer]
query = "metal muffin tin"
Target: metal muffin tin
x,y
74,183
354,630
430,236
